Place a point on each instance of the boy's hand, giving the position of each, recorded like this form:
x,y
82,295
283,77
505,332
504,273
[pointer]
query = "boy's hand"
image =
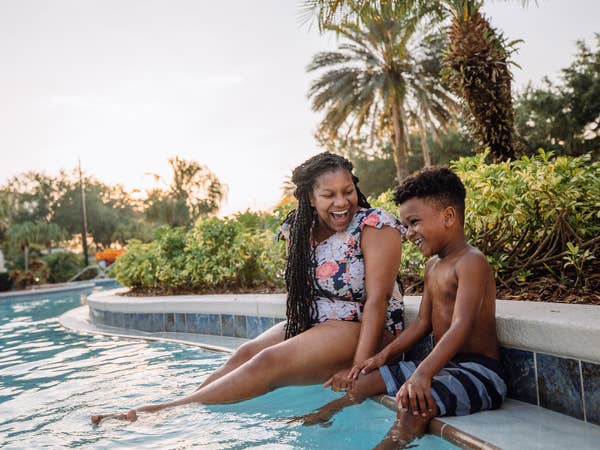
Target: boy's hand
x,y
341,381
367,366
415,394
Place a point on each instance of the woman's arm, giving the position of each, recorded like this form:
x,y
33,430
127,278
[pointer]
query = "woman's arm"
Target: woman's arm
x,y
382,250
416,330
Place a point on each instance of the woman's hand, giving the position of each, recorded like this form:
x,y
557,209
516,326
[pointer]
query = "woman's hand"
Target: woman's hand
x,y
367,366
341,381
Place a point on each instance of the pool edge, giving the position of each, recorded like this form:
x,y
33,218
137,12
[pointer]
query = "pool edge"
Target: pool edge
x,y
439,428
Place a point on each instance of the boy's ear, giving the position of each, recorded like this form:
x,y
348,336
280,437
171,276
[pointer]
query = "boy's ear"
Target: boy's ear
x,y
449,215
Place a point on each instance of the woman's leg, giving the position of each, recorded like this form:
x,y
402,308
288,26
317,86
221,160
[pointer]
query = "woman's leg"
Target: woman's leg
x,y
247,351
308,358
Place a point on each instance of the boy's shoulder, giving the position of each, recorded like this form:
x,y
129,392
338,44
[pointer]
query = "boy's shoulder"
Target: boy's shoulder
x,y
473,258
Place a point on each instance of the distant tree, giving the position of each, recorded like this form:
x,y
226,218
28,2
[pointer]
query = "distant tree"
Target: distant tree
x,y
5,214
194,192
25,234
374,164
106,208
32,196
564,117
134,229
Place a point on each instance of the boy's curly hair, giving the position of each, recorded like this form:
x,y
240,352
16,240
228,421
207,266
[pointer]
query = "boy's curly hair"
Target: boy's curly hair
x,y
439,184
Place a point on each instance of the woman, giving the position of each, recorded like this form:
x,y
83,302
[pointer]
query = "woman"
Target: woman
x,y
343,303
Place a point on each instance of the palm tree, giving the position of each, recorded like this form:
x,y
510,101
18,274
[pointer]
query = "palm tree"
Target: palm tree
x,y
25,234
477,69
374,81
477,61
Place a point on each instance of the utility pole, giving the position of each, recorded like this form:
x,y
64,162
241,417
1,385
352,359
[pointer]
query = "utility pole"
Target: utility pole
x,y
83,219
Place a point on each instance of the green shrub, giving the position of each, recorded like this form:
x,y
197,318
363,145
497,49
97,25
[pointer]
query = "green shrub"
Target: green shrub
x,y
63,266
533,217
37,274
231,253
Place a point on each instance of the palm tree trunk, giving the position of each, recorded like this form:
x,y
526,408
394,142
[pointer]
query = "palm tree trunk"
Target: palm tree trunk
x,y
479,73
26,257
424,145
400,143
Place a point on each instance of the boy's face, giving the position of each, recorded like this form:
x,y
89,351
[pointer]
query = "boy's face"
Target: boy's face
x,y
426,224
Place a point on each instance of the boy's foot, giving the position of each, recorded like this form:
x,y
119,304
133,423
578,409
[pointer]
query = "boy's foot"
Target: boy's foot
x,y
130,415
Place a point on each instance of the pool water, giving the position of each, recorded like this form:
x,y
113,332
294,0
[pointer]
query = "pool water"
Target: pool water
x,y
52,380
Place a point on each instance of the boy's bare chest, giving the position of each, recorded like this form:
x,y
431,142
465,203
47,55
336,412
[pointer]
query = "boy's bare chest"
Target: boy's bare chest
x,y
442,282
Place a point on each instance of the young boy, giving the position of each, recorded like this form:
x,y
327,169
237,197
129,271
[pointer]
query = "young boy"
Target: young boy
x,y
462,374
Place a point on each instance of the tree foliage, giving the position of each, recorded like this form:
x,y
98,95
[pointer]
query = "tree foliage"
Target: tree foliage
x,y
194,192
477,69
564,117
477,60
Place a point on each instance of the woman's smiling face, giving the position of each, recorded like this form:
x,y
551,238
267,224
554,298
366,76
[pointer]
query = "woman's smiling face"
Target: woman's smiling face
x,y
335,199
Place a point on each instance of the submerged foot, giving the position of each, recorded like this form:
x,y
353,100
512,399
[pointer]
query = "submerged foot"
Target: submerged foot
x,y
130,415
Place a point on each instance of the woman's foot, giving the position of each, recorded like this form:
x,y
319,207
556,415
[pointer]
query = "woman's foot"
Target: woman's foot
x,y
130,415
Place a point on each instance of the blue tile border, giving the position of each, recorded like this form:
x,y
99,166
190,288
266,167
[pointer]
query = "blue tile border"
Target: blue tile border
x,y
519,368
559,384
590,373
565,385
213,324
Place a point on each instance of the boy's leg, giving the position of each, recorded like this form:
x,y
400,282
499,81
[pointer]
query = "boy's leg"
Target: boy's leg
x,y
365,386
406,428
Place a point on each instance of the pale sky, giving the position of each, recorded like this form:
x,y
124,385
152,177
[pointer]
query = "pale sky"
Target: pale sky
x,y
126,84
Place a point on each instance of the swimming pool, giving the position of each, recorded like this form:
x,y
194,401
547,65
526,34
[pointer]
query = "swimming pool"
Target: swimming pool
x,y
52,380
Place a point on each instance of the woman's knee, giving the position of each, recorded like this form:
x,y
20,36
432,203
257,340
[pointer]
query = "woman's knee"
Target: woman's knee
x,y
245,352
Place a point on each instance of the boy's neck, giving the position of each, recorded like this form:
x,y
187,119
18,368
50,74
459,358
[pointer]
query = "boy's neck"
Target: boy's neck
x,y
454,246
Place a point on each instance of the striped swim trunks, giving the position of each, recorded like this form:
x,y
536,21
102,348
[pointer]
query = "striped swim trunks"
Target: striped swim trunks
x,y
467,384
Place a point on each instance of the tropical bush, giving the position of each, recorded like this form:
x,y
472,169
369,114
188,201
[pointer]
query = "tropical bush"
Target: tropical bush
x,y
37,273
216,254
5,281
536,218
63,266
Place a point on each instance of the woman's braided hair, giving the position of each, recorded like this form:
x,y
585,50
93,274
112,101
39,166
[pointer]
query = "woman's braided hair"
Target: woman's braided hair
x,y
300,268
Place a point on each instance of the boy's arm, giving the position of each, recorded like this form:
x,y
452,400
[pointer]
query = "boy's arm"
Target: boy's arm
x,y
472,272
417,329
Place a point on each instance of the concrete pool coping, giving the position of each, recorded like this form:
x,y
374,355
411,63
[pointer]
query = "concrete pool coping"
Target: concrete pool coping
x,y
518,323
552,328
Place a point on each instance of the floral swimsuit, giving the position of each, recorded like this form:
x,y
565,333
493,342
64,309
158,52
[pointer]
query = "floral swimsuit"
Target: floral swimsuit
x,y
340,272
